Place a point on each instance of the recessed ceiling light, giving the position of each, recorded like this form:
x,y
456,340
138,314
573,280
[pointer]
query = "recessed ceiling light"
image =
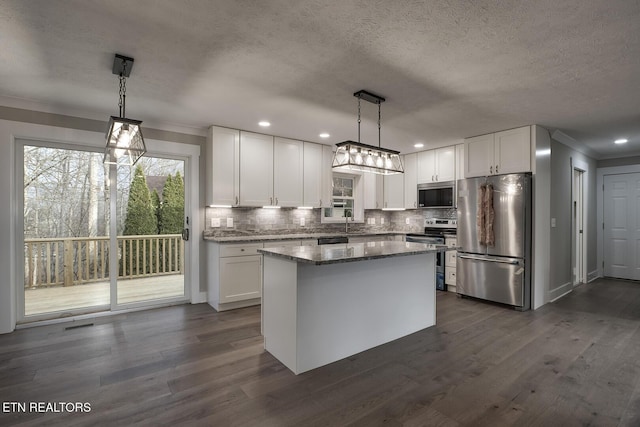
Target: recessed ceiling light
x,y
264,124
621,141
324,135
418,145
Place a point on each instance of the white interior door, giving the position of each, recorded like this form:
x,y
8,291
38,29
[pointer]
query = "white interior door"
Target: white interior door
x,y
621,226
578,227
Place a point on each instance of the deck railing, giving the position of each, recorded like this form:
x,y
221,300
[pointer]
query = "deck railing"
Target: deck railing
x,y
77,260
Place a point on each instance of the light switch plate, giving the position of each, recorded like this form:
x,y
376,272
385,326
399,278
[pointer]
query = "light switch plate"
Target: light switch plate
x,y
382,221
215,222
229,222
302,221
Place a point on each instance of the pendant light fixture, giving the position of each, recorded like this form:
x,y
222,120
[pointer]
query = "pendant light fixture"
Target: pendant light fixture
x,y
367,158
125,144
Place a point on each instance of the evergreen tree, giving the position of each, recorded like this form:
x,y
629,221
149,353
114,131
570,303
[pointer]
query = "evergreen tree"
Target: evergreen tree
x,y
155,201
141,218
171,218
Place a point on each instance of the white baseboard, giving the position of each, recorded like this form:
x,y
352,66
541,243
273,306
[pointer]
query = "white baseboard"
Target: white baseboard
x,y
560,291
592,275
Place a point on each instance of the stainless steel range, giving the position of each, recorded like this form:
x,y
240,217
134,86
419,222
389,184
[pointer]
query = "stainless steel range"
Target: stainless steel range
x,y
435,230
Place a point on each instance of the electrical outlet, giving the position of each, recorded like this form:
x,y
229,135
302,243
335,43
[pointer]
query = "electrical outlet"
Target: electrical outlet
x,y
373,221
215,222
381,221
553,223
302,222
408,221
229,222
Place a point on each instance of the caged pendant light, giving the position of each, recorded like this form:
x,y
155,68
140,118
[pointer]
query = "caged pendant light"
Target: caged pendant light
x,y
125,144
367,158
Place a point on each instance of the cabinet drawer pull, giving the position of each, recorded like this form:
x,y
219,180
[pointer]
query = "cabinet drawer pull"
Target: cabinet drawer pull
x,y
242,250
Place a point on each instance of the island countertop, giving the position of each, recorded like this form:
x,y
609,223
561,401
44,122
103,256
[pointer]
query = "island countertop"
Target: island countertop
x,y
349,252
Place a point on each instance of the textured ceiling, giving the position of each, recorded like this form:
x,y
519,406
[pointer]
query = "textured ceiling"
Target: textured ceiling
x,y
448,69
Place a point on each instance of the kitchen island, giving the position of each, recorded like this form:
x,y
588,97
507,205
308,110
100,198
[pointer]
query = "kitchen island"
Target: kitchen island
x,y
321,304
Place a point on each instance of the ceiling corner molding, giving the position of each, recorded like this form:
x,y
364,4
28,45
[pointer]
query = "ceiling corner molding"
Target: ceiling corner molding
x,y
565,139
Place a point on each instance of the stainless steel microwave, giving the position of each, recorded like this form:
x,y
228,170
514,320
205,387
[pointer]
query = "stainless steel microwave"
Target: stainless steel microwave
x,y
437,195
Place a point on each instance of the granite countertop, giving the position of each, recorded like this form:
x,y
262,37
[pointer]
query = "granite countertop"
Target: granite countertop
x,y
349,252
256,238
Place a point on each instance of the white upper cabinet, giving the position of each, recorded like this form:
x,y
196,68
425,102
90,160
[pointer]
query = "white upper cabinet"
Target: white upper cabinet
x,y
411,181
327,177
437,165
223,169
393,191
498,153
513,150
478,156
288,173
373,191
459,161
256,169
312,169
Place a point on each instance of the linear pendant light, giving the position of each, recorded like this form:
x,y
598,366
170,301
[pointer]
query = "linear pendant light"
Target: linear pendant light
x,y
367,158
125,144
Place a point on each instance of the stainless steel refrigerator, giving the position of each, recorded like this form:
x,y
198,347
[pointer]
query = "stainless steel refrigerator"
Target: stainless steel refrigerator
x,y
499,271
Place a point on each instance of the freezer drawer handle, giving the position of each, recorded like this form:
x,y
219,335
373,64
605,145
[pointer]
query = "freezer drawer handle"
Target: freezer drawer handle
x,y
489,259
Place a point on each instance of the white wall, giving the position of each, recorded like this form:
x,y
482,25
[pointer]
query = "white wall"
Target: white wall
x,y
10,130
563,159
541,153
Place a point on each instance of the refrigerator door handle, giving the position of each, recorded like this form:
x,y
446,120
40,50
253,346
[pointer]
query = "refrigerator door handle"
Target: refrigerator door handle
x,y
502,261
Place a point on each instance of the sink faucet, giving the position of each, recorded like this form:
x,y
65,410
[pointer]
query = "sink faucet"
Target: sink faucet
x,y
346,223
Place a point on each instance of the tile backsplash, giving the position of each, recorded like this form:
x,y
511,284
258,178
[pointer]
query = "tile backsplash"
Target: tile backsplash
x,y
288,220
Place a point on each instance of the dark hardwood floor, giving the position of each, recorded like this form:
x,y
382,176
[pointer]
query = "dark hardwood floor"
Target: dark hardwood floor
x,y
575,362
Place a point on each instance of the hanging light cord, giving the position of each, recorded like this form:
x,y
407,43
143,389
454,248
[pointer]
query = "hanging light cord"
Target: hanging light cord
x,y
123,89
358,119
379,146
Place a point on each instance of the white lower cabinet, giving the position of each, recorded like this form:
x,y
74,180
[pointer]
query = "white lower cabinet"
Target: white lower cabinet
x,y
234,277
450,265
240,278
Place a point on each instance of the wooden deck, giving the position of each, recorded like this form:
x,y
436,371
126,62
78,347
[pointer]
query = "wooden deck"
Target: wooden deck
x,y
44,300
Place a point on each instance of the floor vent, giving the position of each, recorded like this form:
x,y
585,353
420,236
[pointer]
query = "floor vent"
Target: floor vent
x,y
78,326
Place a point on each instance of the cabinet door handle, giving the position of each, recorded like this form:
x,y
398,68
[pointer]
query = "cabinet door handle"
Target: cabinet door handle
x,y
320,202
236,200
271,200
436,177
414,204
433,177
496,168
490,170
276,201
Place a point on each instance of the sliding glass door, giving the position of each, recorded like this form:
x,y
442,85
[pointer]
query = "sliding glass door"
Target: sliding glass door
x,y
66,237
99,237
150,219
